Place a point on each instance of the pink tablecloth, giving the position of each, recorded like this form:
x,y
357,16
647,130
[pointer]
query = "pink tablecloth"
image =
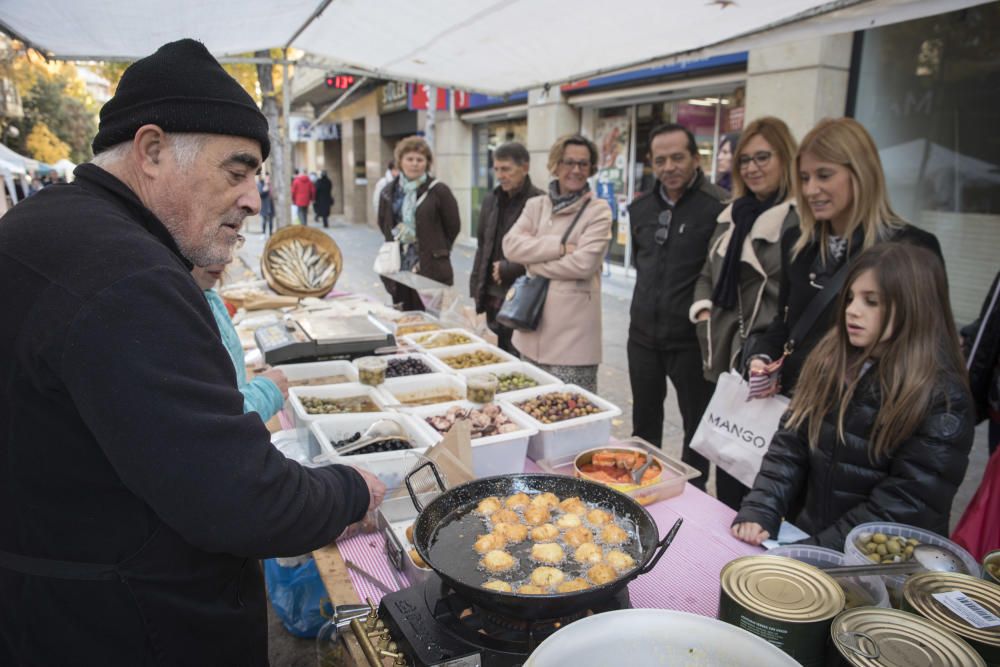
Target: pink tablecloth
x,y
685,579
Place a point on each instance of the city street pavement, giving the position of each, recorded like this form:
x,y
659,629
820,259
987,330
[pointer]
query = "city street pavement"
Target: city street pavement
x,y
359,243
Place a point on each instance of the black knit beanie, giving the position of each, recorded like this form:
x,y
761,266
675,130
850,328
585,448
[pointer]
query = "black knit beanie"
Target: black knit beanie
x,y
180,88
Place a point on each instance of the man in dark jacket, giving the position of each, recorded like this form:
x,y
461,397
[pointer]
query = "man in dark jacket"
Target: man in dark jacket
x,y
135,494
492,275
671,227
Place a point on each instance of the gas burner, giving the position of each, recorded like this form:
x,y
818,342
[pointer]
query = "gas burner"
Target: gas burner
x,y
435,626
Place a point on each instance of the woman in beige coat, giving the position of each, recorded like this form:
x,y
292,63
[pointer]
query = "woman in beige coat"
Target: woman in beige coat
x,y
567,342
737,292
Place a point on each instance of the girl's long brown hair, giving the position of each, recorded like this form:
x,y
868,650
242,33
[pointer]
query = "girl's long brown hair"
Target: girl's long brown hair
x,y
922,348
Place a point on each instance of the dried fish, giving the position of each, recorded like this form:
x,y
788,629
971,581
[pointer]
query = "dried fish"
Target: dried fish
x,y
301,266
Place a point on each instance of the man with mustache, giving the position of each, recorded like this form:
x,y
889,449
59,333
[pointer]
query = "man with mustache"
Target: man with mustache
x,y
135,494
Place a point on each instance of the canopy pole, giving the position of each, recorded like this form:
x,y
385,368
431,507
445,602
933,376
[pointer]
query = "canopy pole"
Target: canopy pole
x,y
286,134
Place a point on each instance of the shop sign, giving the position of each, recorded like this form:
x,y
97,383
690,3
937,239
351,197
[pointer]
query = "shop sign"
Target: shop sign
x,y
419,94
392,97
298,130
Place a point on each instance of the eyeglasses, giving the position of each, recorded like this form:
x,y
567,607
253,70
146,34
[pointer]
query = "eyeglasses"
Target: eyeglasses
x,y
760,158
583,165
240,241
663,230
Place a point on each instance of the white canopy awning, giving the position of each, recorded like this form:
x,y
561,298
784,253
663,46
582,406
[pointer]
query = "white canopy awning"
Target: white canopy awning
x,y
491,46
15,162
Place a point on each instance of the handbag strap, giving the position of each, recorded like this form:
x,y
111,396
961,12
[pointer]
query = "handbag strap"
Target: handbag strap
x,y
573,224
816,307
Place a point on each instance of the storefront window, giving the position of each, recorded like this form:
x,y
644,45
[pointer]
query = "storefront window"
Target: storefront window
x,y
929,92
486,138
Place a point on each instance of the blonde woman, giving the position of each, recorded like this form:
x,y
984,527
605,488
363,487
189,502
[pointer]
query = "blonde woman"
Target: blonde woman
x,y
737,292
844,209
567,342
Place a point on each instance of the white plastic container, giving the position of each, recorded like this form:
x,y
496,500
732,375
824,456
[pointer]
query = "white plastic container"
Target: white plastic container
x,y
822,557
501,454
443,353
523,367
894,585
429,384
390,467
414,339
432,362
349,390
570,436
319,369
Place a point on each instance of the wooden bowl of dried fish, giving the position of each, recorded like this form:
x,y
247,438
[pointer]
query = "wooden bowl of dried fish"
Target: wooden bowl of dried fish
x,y
300,261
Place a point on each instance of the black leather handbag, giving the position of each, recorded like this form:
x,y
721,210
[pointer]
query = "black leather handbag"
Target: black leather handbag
x,y
522,307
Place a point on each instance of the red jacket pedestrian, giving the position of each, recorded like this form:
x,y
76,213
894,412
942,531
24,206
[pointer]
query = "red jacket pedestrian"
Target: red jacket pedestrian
x,y
303,190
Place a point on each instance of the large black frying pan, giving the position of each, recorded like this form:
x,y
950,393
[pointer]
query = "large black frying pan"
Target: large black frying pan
x,y
455,563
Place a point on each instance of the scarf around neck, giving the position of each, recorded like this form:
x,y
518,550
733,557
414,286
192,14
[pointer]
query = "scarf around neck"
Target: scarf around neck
x,y
559,201
408,208
746,210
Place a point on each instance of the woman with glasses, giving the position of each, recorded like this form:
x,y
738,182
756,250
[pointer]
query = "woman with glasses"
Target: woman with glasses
x,y
567,341
737,292
266,393
844,207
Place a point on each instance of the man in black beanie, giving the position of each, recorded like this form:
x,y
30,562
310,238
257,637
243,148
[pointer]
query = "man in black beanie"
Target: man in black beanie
x,y
135,494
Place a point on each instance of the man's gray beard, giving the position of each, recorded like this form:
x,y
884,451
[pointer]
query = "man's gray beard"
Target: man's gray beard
x,y
205,252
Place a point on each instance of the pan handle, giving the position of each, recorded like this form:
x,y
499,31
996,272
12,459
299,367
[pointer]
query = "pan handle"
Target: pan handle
x,y
409,483
662,547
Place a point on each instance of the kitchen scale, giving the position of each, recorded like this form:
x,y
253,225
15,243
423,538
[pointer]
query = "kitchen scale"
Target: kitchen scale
x,y
321,336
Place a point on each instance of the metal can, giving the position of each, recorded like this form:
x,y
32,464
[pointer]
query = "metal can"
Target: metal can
x,y
992,558
876,637
965,605
783,601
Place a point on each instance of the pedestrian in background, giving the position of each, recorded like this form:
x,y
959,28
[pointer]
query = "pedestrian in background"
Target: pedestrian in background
x,y
567,341
844,209
671,226
421,214
724,160
324,199
736,295
266,205
391,172
303,194
492,273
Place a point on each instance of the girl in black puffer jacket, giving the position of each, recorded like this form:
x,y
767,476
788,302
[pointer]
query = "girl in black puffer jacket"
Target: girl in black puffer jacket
x,y
881,423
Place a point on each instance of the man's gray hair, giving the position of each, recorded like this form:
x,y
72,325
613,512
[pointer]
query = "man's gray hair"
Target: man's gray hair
x,y
185,146
514,151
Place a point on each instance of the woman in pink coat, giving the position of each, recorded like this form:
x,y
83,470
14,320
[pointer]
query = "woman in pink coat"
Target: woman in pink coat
x,y
567,342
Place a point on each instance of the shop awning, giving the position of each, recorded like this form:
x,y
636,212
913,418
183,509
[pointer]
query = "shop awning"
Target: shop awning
x,y
490,46
15,162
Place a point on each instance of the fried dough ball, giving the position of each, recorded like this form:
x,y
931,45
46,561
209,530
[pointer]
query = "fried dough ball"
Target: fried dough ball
x,y
573,506
619,560
517,501
496,585
588,553
488,506
489,542
614,535
547,577
497,561
602,573
535,516
598,517
544,533
548,500
531,589
572,586
569,521
417,560
577,536
550,552
505,516
409,533
512,533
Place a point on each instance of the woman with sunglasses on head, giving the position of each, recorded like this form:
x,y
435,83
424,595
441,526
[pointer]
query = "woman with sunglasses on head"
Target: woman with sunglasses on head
x,y
567,340
881,423
844,210
737,292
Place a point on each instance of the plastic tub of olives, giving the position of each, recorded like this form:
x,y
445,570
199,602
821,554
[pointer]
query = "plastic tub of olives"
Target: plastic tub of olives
x,y
515,376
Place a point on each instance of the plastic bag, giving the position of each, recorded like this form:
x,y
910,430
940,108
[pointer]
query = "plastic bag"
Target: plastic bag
x,y
979,528
298,597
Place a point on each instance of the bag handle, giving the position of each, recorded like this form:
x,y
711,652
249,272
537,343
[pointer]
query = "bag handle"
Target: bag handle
x,y
420,200
573,224
816,307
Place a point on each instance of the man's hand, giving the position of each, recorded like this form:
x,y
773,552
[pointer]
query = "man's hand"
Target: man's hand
x,y
750,532
376,489
758,366
702,315
278,378
496,272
